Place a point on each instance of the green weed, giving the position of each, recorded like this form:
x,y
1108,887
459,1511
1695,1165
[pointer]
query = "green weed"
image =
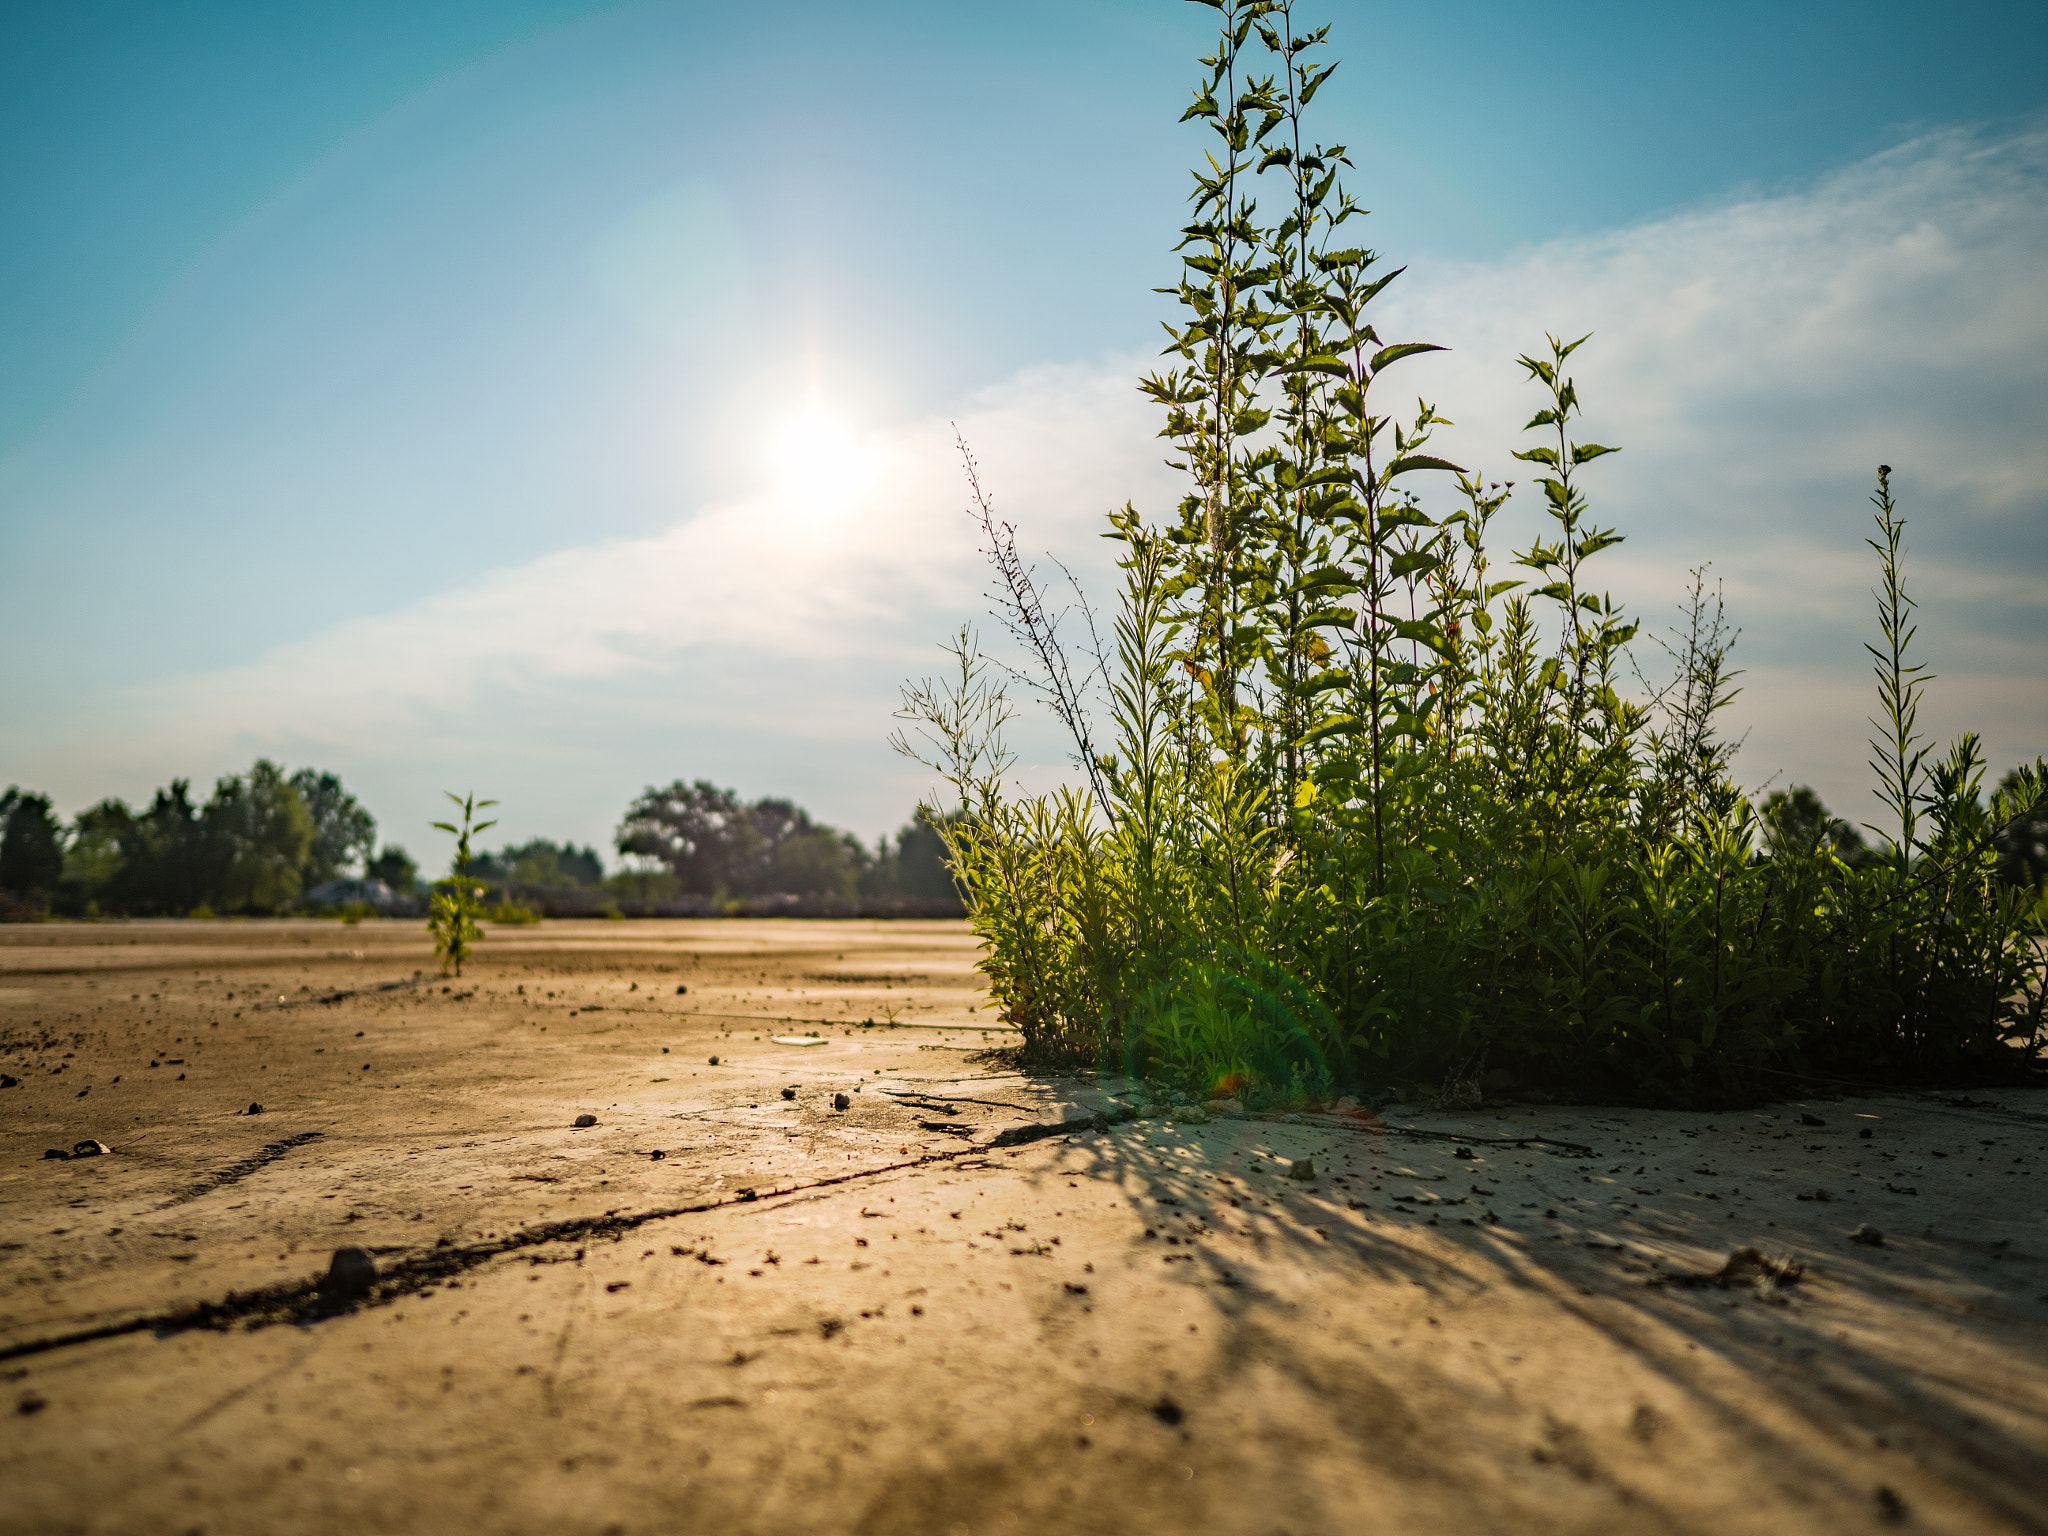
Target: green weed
x,y
452,914
1371,810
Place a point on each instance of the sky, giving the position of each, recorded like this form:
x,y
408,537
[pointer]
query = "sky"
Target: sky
x,y
555,399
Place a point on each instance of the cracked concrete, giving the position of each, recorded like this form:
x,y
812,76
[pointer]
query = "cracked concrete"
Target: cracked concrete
x,y
1464,1323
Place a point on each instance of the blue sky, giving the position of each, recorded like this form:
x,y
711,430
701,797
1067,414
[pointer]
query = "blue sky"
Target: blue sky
x,y
408,389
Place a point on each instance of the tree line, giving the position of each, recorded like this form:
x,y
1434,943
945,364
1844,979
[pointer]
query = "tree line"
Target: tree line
x,y
268,841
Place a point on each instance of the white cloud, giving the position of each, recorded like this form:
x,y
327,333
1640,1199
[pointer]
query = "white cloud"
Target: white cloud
x,y
1756,360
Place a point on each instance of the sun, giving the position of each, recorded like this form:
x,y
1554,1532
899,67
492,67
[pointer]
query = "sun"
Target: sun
x,y
817,461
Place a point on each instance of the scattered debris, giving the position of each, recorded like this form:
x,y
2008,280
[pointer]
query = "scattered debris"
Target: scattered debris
x,y
350,1274
1745,1266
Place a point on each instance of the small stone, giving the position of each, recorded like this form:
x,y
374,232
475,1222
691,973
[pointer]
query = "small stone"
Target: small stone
x,y
1290,1119
31,1402
1467,1153
1811,1120
789,1093
54,1152
714,1061
7,1081
1346,1105
584,1122
656,1156
1190,1114
841,1101
1302,1168
90,1149
1867,1235
1864,1133
253,1109
1220,1108
350,1274
681,990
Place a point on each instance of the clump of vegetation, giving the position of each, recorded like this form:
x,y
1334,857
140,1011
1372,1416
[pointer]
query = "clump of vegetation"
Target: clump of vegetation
x,y
512,912
452,915
1372,809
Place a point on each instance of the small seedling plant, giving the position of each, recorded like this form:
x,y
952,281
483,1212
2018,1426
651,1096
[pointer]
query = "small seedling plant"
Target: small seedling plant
x,y
458,900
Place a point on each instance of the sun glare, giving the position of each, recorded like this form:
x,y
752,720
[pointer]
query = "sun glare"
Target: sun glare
x,y
819,464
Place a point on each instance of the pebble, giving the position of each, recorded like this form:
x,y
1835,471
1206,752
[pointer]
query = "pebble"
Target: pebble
x,y
90,1149
584,1122
1302,1168
841,1101
789,1093
54,1152
1190,1114
657,1156
714,1061
253,1109
1867,1235
1811,1120
1218,1108
350,1274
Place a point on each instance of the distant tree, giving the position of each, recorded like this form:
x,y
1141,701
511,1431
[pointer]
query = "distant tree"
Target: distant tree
x,y
101,838
546,865
261,834
2023,846
1796,822
394,867
921,862
168,863
692,828
913,864
344,834
718,846
31,846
